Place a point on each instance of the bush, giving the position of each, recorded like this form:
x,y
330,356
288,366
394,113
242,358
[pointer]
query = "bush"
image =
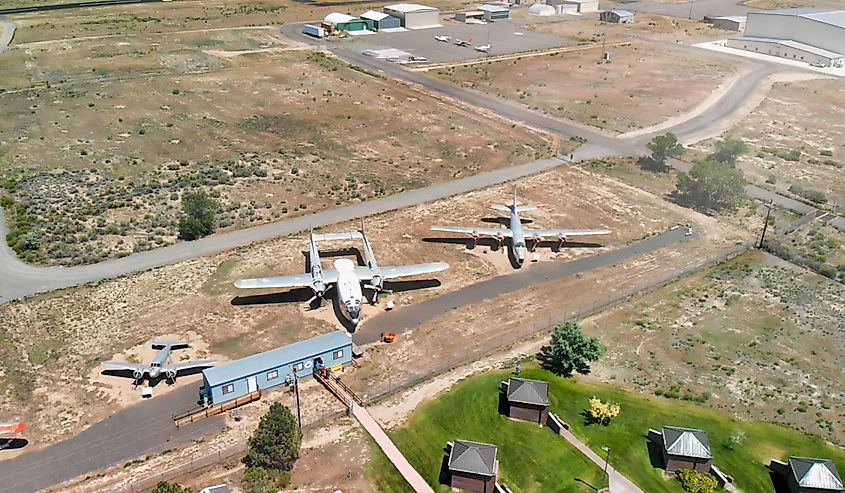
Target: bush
x,y
693,481
200,215
165,487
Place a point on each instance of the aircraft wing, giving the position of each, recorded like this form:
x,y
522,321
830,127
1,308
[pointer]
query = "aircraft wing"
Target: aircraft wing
x,y
566,232
394,271
292,281
124,366
202,363
475,231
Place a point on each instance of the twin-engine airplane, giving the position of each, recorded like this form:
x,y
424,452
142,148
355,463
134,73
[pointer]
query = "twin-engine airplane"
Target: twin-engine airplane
x,y
516,233
161,364
345,275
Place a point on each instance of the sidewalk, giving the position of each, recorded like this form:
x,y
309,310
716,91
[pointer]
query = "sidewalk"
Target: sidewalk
x,y
618,482
410,474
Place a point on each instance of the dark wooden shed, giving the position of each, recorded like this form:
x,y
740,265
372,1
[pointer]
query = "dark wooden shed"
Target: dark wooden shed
x,y
686,448
473,466
527,400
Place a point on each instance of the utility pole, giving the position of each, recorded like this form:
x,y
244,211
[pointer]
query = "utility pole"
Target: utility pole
x,y
296,393
769,206
691,3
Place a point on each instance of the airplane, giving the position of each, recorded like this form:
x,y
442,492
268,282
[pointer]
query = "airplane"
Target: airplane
x,y
345,275
516,232
461,42
10,428
444,39
161,364
483,48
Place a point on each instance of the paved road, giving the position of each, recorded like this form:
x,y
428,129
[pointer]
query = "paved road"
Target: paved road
x,y
618,482
77,5
20,280
408,317
8,32
145,428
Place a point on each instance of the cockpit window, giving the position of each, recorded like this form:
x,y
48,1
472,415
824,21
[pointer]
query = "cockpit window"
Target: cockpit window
x,y
519,244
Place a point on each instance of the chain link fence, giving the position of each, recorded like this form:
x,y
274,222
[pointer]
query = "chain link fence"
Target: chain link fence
x,y
460,358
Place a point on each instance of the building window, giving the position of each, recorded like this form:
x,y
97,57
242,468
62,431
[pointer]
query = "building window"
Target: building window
x,y
299,366
338,354
228,389
272,375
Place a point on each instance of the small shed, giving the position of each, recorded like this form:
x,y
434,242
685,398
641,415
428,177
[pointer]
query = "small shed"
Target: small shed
x,y
381,20
729,22
469,15
414,16
473,466
527,399
343,22
495,12
808,475
617,16
276,367
686,448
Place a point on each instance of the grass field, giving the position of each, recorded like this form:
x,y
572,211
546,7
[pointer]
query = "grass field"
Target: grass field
x,y
531,458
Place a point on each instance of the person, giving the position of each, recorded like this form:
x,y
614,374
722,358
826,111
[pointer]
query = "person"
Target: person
x,y
518,369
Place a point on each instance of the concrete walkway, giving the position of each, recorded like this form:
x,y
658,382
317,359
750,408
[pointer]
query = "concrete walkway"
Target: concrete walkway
x,y
410,474
618,482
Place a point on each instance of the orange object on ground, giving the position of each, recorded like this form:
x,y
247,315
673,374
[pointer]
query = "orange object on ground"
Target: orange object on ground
x,y
12,427
388,336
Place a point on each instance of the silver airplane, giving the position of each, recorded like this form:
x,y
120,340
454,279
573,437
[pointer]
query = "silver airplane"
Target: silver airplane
x,y
161,364
516,232
344,275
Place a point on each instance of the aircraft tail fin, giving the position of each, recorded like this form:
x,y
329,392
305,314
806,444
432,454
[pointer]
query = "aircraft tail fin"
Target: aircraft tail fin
x,y
170,344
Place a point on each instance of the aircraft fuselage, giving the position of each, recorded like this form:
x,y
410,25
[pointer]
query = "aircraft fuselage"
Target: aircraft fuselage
x,y
517,237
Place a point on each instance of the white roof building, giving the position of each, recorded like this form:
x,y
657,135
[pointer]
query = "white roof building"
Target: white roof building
x,y
414,15
336,18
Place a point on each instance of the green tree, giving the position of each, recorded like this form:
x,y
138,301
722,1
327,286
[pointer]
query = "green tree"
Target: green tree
x,y
694,481
728,150
259,480
200,211
662,147
165,487
275,444
711,185
570,349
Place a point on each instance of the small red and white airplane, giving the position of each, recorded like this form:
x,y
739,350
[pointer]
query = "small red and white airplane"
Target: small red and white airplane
x,y
461,42
9,428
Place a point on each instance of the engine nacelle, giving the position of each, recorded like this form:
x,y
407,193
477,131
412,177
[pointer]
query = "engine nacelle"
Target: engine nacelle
x,y
319,288
562,238
538,238
171,375
500,238
377,281
138,374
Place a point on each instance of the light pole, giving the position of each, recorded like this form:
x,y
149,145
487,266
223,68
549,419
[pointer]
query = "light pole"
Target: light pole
x,y
769,206
606,458
692,2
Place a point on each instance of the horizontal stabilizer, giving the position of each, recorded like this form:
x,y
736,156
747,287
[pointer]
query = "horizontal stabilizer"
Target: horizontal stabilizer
x,y
344,235
527,207
501,207
170,344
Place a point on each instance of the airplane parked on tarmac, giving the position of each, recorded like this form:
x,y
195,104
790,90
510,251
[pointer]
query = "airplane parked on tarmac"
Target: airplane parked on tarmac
x,y
483,48
461,42
345,275
10,428
516,232
161,364
444,39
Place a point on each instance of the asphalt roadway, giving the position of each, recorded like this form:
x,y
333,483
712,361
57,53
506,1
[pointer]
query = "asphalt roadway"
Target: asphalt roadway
x,y
414,315
142,429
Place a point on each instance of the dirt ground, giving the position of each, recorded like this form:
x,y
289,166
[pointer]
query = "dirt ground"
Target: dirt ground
x,y
807,118
669,79
755,336
113,131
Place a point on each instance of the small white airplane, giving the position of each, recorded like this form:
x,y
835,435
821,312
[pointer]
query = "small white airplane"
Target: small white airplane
x,y
444,39
9,428
461,42
345,275
483,48
161,364
516,232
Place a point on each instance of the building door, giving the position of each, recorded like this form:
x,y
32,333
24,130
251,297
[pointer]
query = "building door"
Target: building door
x,y
251,384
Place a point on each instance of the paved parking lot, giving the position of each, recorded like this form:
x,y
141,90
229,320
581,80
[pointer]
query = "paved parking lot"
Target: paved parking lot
x,y
504,37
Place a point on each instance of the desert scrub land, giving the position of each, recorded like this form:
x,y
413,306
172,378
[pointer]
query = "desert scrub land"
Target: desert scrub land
x,y
579,86
795,139
816,245
755,336
100,139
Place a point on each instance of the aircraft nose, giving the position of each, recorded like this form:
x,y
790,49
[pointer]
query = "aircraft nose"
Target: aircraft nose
x,y
355,321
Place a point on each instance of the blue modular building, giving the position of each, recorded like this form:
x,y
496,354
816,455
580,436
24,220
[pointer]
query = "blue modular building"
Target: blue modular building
x,y
275,367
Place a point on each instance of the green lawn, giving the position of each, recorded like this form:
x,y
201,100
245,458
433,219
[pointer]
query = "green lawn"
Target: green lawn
x,y
531,458
534,459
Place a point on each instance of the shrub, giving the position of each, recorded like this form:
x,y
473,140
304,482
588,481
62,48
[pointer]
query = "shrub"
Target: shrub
x,y
693,481
200,213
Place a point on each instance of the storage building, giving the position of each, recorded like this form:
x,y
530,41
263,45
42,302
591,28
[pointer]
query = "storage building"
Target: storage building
x,y
469,15
414,16
495,12
273,368
342,22
472,466
617,16
685,448
381,20
809,35
729,22
807,475
527,399
541,9
582,6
